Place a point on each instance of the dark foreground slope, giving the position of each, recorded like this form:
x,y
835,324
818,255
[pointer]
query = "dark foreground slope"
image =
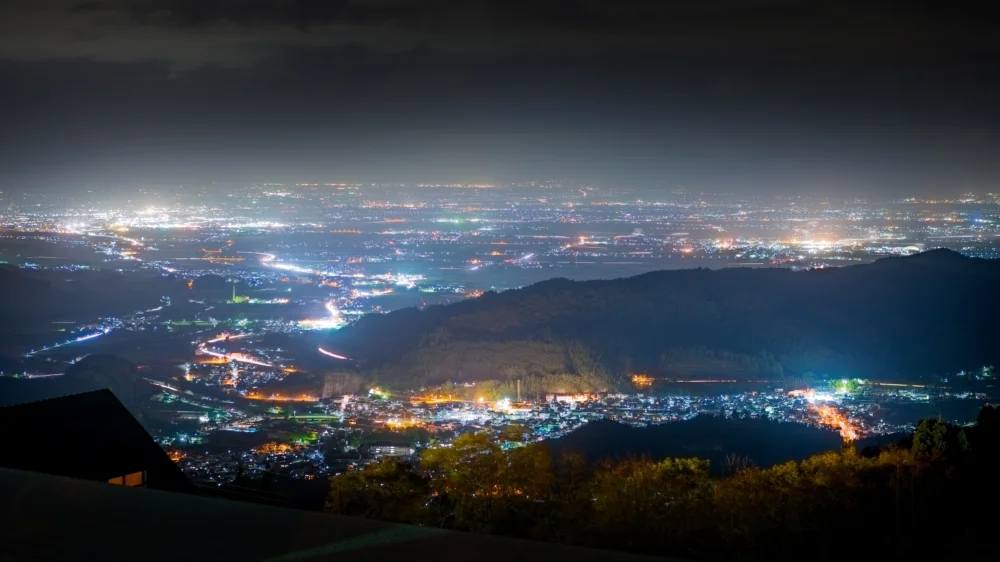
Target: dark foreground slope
x,y
929,313
80,512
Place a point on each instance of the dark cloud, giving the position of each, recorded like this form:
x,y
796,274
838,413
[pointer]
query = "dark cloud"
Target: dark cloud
x,y
755,92
241,32
301,14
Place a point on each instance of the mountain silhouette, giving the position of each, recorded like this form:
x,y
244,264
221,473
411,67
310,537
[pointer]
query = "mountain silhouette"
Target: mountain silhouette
x,y
930,313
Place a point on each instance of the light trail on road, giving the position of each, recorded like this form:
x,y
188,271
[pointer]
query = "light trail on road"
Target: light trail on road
x,y
68,342
226,337
238,357
334,355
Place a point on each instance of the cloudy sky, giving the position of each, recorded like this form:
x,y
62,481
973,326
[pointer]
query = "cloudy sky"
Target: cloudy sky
x,y
728,95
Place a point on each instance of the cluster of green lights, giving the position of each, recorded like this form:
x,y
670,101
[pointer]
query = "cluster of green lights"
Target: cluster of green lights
x,y
302,439
378,393
846,386
218,415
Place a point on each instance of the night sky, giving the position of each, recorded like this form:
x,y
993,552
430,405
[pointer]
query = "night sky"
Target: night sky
x,y
718,95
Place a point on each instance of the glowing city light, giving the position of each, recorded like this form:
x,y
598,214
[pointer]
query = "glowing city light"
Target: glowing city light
x,y
277,397
832,417
333,322
642,381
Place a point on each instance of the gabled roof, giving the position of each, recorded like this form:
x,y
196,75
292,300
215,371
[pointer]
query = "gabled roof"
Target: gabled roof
x,y
90,435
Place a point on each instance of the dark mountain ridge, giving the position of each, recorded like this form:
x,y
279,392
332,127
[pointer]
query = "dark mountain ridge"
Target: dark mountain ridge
x,y
760,442
911,316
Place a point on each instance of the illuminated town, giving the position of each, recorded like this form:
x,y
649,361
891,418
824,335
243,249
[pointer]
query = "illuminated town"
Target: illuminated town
x,y
267,270
317,437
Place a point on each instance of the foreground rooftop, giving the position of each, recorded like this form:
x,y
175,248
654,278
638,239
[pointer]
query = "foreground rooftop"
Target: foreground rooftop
x,y
58,518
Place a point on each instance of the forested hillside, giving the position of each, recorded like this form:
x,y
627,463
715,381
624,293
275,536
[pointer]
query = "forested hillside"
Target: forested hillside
x,y
919,315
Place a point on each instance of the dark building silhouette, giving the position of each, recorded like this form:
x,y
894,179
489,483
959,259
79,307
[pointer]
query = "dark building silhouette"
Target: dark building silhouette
x,y
91,436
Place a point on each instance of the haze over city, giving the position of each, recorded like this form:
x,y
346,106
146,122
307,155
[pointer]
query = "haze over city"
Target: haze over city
x,y
710,280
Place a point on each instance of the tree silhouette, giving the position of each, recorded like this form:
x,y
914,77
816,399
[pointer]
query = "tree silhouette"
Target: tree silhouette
x,y
888,501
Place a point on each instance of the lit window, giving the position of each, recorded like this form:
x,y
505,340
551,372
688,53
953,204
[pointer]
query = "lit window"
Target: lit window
x,y
134,480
